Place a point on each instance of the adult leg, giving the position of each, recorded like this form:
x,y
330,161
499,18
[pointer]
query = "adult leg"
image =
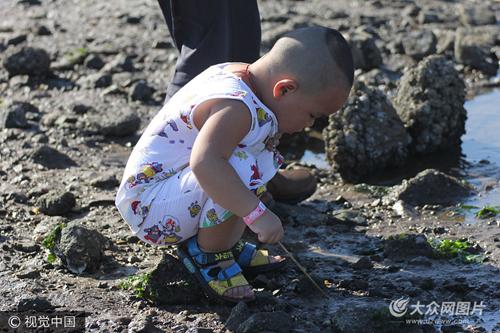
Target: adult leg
x,y
210,32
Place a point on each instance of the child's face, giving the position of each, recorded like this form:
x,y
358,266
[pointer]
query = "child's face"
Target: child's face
x,y
296,110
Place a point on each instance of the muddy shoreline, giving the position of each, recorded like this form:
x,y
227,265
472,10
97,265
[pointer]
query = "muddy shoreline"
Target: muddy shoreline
x,y
103,77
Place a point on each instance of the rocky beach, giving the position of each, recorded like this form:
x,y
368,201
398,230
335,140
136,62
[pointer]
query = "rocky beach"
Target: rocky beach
x,y
402,234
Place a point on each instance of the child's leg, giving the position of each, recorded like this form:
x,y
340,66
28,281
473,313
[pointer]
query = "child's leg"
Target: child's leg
x,y
222,236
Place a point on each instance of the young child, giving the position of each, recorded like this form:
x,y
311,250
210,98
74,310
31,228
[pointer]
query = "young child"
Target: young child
x,y
196,174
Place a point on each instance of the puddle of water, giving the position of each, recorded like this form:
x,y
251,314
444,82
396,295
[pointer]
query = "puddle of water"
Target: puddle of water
x,y
482,143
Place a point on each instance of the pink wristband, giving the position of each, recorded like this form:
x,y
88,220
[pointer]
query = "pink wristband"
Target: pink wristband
x,y
255,214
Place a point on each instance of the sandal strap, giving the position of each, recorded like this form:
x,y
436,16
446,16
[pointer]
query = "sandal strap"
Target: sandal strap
x,y
244,252
206,258
224,274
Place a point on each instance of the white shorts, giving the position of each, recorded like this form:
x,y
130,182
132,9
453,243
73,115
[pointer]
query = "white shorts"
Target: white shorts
x,y
177,206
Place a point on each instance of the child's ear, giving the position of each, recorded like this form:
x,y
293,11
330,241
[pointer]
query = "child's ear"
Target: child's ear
x,y
284,87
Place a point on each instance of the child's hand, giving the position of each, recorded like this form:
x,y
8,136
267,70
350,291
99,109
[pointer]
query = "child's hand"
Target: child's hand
x,y
268,228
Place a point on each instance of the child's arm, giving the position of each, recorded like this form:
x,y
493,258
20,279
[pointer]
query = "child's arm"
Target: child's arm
x,y
223,125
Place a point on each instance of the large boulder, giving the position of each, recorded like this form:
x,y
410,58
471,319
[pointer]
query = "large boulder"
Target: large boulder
x,y
366,135
27,60
430,187
430,101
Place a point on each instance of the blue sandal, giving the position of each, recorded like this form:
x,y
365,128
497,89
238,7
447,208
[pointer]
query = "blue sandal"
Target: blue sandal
x,y
215,280
254,264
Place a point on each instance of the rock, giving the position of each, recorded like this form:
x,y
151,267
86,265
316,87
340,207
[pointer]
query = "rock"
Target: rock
x,y
363,263
141,91
45,226
419,44
366,54
121,63
469,52
347,217
170,284
27,247
14,115
38,304
278,322
446,41
17,39
421,261
367,318
476,14
80,249
365,136
42,30
96,80
411,10
354,284
238,315
427,16
407,246
56,203
430,187
94,61
118,122
27,60
430,101
28,274
52,158
105,181
143,324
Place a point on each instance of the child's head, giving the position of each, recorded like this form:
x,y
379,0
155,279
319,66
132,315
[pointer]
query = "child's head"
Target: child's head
x,y
309,75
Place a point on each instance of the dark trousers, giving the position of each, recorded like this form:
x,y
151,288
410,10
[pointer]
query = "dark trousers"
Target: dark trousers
x,y
208,32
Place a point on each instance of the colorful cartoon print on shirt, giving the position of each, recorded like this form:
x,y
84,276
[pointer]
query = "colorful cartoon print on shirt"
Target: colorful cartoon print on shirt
x,y
263,117
212,217
167,174
277,159
256,176
241,155
259,190
194,209
140,210
185,117
148,172
173,125
170,229
153,234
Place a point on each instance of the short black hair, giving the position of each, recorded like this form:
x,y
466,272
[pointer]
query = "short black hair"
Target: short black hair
x,y
340,52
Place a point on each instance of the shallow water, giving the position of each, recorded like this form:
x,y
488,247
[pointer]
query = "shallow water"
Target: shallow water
x,y
481,147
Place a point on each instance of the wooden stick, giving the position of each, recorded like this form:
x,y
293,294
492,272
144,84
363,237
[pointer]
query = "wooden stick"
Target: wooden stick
x,y
303,270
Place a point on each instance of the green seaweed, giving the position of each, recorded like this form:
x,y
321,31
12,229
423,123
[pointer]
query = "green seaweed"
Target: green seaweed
x,y
488,211
138,284
398,236
77,56
373,190
447,248
50,240
51,257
